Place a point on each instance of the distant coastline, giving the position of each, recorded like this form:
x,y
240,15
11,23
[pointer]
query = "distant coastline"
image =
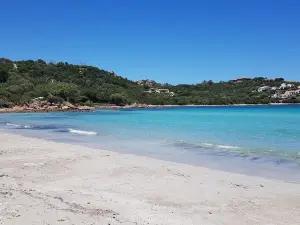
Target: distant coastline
x,y
22,82
22,109
141,106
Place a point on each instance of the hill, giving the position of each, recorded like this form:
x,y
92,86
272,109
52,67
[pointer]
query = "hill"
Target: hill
x,y
21,81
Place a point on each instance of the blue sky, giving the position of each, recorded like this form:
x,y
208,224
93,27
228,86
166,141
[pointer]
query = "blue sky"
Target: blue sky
x,y
178,41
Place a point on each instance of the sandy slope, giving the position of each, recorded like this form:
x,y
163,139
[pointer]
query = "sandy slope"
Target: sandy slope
x,y
42,182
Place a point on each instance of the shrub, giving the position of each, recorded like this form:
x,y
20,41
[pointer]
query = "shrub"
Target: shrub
x,y
118,99
5,104
55,99
3,76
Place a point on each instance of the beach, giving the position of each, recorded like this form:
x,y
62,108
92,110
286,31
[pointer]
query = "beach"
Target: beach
x,y
44,182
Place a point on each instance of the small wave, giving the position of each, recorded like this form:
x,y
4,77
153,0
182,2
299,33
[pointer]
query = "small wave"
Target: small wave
x,y
33,126
204,145
83,132
227,147
38,127
207,144
12,125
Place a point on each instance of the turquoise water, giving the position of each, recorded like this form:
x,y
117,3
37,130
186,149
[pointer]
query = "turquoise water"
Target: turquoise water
x,y
258,140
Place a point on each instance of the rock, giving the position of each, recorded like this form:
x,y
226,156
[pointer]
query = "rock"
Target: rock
x,y
34,106
52,108
65,107
71,106
43,103
18,108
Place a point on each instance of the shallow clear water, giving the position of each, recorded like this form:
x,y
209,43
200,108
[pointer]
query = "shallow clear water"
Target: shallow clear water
x,y
258,140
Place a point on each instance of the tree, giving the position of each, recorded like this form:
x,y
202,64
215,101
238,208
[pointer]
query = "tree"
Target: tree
x,y
55,99
41,61
4,104
118,99
3,76
64,90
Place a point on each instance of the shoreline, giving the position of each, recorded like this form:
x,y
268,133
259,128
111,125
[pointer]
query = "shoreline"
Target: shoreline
x,y
18,109
68,184
267,169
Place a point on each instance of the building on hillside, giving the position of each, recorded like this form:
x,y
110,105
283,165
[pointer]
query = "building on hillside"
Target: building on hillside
x,y
276,95
152,90
160,91
274,88
289,94
166,91
264,88
240,80
163,90
283,86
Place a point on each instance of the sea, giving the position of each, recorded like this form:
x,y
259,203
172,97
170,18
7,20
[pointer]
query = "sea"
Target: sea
x,y
253,140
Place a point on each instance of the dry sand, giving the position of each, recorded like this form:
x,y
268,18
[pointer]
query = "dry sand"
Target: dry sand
x,y
43,182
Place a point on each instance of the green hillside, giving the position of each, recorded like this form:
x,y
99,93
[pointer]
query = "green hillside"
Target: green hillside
x,y
21,81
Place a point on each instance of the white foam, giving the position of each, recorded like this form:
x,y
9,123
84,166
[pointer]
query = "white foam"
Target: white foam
x,y
227,147
27,126
13,125
207,144
83,132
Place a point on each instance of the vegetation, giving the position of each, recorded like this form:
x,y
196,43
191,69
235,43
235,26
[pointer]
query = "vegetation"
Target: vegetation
x,y
21,81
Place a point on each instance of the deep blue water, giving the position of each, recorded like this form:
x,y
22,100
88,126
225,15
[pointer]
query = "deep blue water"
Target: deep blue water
x,y
259,140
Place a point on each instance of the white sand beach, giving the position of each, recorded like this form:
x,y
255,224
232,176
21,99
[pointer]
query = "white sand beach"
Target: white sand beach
x,y
43,182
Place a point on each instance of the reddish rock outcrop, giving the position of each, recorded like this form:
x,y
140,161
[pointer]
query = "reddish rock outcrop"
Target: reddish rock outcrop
x,y
41,105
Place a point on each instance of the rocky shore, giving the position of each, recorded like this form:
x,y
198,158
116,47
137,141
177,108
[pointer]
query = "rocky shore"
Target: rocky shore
x,y
42,105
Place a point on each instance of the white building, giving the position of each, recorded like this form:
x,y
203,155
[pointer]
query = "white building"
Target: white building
x,y
160,91
276,95
264,88
163,90
153,90
283,86
288,94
